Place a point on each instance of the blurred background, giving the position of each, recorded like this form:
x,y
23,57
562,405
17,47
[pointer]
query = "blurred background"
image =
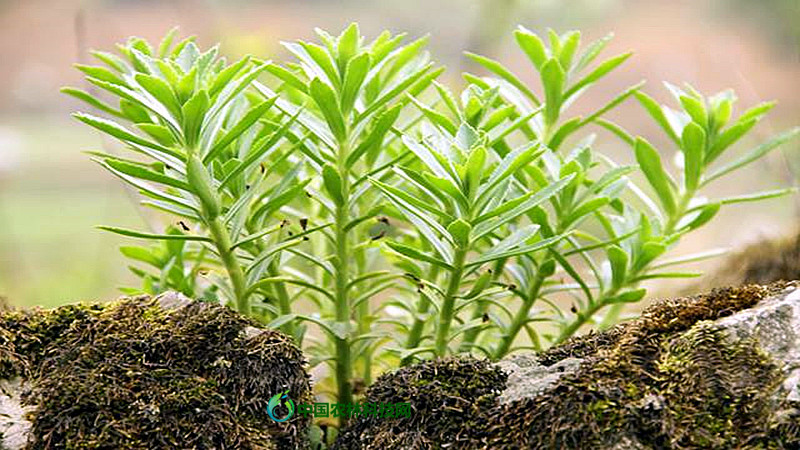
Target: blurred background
x,y
51,195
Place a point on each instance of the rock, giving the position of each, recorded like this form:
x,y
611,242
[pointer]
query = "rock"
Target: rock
x,y
164,372
718,370
527,377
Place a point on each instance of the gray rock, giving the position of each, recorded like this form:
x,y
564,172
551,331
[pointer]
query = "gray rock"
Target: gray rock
x,y
528,378
14,425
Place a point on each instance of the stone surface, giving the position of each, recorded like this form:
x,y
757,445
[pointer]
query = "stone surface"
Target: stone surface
x,y
163,372
717,370
527,377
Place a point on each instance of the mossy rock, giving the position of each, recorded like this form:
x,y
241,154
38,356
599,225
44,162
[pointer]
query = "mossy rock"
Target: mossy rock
x,y
146,373
717,370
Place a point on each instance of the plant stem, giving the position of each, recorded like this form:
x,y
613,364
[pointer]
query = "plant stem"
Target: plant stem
x,y
415,334
581,318
446,315
481,307
222,240
344,363
284,303
520,318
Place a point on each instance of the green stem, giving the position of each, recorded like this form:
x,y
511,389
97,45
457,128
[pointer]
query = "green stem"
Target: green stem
x,y
520,318
344,363
222,240
415,335
447,313
481,307
581,318
284,302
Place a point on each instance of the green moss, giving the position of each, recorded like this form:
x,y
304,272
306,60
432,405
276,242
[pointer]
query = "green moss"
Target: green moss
x,y
133,375
647,381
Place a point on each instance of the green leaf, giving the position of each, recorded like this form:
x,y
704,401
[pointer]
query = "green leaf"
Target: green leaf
x,y
516,251
649,252
162,237
499,70
262,147
161,91
532,45
628,297
585,209
460,230
288,77
596,74
650,162
707,213
756,111
417,255
729,137
92,101
317,59
694,146
757,196
142,173
754,155
226,75
251,117
357,70
202,186
568,49
118,131
326,100
435,117
592,51
193,114
347,46
504,214
101,73
383,124
160,133
553,79
667,275
509,165
696,110
619,265
415,204
333,184
417,80
655,111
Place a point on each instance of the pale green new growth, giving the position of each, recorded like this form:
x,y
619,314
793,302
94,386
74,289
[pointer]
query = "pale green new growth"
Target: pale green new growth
x,y
349,191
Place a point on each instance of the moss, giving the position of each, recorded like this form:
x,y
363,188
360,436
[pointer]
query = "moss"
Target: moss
x,y
647,381
133,375
446,396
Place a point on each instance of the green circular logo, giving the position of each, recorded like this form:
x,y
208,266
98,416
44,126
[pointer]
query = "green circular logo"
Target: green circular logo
x,y
275,401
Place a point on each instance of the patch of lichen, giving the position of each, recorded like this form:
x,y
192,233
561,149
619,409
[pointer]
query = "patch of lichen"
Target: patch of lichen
x,y
647,381
133,375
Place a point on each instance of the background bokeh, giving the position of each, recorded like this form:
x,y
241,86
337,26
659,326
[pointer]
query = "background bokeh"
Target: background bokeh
x,y
51,195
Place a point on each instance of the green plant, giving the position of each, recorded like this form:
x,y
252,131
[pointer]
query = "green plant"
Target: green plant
x,y
287,178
